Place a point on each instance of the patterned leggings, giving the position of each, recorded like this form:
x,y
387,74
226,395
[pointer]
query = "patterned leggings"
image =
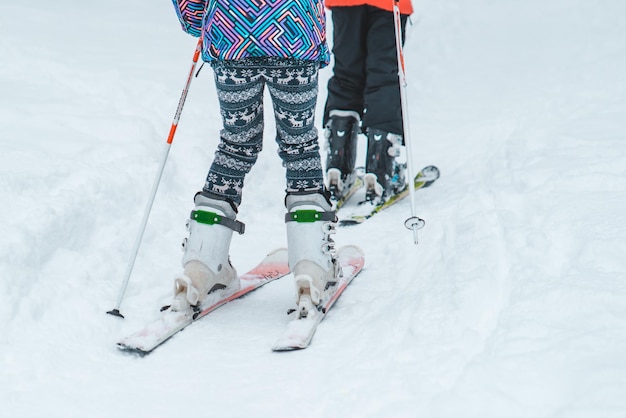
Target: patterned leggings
x,y
293,88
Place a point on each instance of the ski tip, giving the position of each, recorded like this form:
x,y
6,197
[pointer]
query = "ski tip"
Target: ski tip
x,y
352,251
432,169
115,312
274,263
351,257
430,174
277,255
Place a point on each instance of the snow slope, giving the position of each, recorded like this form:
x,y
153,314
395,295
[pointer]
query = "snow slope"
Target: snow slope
x,y
512,305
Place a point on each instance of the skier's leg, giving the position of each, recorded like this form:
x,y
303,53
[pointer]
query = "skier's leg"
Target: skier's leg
x,y
240,94
310,221
206,260
345,87
385,173
294,110
344,103
382,89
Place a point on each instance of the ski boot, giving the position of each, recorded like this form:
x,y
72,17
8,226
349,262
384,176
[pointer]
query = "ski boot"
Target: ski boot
x,y
310,224
206,262
341,132
385,174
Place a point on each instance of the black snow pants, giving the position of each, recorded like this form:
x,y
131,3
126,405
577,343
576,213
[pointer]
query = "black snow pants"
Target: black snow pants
x,y
365,73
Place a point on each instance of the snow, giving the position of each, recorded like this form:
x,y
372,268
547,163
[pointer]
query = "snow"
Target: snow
x,y
512,305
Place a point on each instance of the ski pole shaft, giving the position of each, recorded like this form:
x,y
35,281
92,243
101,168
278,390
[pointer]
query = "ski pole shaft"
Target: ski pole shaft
x,y
413,222
166,150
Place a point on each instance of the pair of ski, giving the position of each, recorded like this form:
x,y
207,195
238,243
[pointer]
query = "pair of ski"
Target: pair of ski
x,y
299,331
354,215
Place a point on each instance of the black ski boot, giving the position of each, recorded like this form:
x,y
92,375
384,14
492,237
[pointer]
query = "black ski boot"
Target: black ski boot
x,y
385,175
341,132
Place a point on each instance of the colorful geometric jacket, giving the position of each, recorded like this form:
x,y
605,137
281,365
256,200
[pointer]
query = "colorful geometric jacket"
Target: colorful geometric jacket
x,y
236,29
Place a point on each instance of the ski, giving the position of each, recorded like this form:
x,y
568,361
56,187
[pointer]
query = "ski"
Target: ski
x,y
144,341
358,183
300,330
367,209
354,187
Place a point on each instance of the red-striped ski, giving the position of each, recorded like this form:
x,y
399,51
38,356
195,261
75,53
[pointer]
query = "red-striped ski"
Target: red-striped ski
x,y
272,267
300,331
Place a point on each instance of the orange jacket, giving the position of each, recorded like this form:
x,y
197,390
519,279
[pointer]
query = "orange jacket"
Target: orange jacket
x,y
406,8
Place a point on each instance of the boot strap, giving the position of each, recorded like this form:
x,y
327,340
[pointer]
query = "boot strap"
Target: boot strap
x,y
309,215
211,218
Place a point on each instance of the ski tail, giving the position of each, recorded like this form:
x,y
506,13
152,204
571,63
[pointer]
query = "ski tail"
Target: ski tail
x,y
300,331
144,341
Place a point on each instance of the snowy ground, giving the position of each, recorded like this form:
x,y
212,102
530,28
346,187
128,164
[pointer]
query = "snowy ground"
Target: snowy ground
x,y
512,305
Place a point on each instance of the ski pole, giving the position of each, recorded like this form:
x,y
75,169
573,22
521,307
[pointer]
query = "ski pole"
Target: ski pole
x,y
413,222
166,150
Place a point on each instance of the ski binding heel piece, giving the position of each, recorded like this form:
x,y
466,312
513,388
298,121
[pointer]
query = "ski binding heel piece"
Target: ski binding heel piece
x,y
184,287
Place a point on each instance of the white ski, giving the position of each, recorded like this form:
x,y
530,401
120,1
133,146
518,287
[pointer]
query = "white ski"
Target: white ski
x,y
273,266
301,329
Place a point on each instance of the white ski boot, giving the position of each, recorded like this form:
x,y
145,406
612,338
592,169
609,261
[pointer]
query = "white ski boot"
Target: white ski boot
x,y
206,263
310,224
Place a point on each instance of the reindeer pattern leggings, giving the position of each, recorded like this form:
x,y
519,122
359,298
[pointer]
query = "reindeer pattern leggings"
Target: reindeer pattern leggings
x,y
293,88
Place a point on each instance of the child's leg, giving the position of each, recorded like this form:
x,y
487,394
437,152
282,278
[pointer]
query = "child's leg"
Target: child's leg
x,y
310,220
294,95
240,94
